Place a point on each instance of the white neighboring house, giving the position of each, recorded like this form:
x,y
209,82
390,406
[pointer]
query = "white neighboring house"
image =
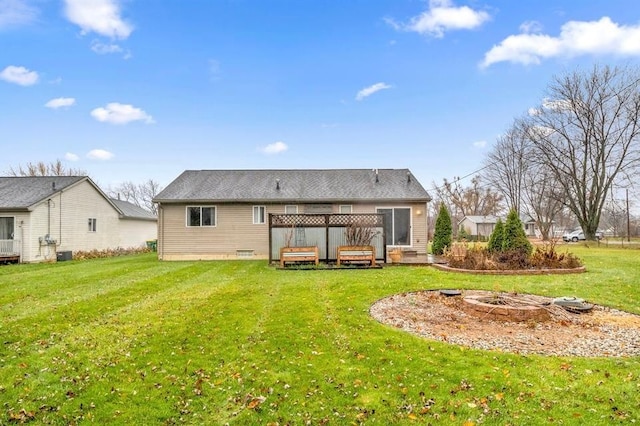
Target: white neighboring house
x,y
44,216
478,226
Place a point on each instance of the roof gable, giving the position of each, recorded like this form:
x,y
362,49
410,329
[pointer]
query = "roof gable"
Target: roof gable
x,y
23,192
294,186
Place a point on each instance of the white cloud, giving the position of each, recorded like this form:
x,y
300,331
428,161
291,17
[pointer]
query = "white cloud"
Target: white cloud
x,y
99,16
110,48
104,49
99,154
368,91
60,103
275,148
480,144
443,16
14,13
117,113
70,156
529,27
19,75
576,38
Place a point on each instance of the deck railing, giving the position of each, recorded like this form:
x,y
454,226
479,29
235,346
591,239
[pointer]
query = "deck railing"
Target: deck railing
x,y
9,247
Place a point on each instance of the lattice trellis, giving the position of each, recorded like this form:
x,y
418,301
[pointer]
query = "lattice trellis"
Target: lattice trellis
x,y
326,231
298,220
363,219
312,220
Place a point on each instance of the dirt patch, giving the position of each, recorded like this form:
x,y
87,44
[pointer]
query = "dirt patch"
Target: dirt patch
x,y
601,332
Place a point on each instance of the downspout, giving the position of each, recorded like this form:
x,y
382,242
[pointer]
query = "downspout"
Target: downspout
x,y
60,220
49,216
160,246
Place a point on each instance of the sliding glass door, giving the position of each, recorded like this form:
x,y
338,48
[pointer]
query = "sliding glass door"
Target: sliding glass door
x,y
397,225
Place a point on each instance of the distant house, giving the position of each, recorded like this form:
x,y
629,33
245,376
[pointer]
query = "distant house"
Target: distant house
x,y
223,214
478,226
43,216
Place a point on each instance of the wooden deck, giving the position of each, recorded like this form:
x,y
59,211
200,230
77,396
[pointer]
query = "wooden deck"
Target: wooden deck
x,y
9,258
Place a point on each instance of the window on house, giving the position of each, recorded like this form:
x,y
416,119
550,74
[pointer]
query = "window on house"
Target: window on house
x,y
346,208
6,228
92,224
397,225
259,215
291,209
201,216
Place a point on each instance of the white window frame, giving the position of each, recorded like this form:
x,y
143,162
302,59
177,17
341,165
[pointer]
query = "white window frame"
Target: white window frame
x,y
289,206
345,207
214,216
259,215
93,224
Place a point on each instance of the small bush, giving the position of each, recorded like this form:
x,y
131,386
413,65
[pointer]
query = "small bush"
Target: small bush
x,y
118,251
546,256
513,236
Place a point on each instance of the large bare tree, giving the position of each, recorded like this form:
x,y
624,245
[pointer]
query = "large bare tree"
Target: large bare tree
x,y
140,194
40,168
586,134
511,168
506,164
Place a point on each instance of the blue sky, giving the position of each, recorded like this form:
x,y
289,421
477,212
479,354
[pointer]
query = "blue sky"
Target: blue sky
x,y
143,89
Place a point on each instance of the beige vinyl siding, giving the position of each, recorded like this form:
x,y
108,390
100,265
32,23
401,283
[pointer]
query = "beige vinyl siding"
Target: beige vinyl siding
x,y
235,230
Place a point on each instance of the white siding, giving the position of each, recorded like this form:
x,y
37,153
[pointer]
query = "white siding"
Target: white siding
x,y
65,219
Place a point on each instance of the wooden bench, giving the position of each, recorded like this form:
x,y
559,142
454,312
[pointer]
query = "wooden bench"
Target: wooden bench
x,y
357,254
298,254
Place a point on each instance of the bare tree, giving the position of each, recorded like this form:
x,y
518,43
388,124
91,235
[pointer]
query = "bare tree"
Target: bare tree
x,y
527,186
542,198
40,168
139,194
506,165
473,200
586,134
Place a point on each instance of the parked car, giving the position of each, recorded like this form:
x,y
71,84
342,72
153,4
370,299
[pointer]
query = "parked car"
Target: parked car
x,y
578,235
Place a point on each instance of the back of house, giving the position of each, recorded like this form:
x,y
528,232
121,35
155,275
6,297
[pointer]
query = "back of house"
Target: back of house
x,y
224,214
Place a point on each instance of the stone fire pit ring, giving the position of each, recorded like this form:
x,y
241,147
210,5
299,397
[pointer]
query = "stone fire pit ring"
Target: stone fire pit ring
x,y
499,308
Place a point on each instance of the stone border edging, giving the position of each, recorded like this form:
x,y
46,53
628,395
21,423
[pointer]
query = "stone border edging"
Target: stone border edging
x,y
559,271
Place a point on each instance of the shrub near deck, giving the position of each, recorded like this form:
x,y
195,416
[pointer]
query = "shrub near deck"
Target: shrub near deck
x,y
131,340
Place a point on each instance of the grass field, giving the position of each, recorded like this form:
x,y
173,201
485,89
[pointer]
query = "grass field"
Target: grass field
x,y
131,340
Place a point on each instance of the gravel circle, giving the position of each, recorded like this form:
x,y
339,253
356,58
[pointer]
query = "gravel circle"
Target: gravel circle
x,y
602,332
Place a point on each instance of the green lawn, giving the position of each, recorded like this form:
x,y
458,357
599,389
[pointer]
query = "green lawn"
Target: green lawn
x,y
131,340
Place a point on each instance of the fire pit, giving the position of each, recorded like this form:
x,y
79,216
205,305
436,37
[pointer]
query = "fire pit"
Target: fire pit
x,y
503,307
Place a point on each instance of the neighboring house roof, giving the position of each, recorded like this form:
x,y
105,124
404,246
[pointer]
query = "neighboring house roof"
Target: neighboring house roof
x,y
294,186
481,219
131,211
24,192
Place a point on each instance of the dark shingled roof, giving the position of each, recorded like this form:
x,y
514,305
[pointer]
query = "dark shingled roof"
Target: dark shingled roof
x,y
132,211
294,186
20,193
